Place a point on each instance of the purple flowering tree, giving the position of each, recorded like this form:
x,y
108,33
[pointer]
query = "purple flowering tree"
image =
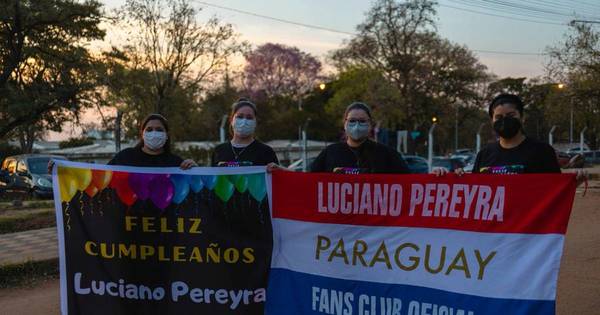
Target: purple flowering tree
x,y
276,70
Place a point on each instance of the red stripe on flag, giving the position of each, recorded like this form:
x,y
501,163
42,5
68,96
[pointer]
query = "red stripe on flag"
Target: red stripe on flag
x,y
536,203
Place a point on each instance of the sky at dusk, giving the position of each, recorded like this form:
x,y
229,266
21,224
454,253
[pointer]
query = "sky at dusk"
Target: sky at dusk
x,y
506,45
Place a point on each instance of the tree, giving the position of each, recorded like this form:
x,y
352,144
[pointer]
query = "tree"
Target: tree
x,y
431,74
276,70
575,62
178,52
47,72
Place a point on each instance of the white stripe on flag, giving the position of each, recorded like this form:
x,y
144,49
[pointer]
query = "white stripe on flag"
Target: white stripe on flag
x,y
525,266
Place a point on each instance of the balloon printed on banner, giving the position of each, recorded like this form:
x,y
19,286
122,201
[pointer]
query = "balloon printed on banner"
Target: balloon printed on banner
x,y
181,187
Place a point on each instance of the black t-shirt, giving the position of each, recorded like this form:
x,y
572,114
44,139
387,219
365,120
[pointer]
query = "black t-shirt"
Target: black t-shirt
x,y
137,157
369,157
254,154
530,156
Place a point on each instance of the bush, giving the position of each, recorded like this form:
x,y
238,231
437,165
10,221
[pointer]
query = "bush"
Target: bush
x,y
75,142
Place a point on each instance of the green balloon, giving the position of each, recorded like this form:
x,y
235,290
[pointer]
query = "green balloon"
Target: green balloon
x,y
257,186
233,178
241,184
224,188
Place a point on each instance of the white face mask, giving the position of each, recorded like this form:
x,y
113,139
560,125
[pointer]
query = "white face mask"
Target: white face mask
x,y
244,127
357,130
155,140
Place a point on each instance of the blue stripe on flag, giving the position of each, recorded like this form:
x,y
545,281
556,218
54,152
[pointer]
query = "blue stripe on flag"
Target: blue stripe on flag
x,y
291,292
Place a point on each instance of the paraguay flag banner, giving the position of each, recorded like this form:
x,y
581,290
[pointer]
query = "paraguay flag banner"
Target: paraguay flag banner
x,y
417,244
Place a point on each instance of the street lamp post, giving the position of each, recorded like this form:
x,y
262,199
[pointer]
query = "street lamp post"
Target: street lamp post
x,y
478,139
430,143
551,135
581,139
456,129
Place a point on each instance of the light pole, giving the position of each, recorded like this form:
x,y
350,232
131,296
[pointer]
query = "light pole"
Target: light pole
x,y
562,86
581,138
456,129
478,139
430,143
551,135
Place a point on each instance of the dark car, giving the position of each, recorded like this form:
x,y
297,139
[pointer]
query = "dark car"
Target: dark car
x,y
28,173
416,164
448,163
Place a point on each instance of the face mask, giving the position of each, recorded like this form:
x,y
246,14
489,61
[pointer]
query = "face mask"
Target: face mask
x,y
357,131
244,127
507,127
155,139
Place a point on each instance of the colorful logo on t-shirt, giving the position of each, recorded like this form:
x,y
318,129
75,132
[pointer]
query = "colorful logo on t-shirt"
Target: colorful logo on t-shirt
x,y
504,169
350,170
234,164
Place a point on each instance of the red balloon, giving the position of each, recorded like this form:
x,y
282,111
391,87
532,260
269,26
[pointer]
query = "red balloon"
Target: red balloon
x,y
119,179
126,195
120,183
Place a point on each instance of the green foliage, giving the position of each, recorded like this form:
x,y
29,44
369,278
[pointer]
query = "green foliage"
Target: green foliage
x,y
75,142
28,273
47,72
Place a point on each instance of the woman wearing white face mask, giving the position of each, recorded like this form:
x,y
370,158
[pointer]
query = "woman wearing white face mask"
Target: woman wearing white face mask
x,y
153,149
358,154
243,149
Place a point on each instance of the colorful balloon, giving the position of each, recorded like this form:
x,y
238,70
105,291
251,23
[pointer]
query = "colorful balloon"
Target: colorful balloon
x,y
181,187
196,183
120,183
101,179
140,184
91,190
241,183
161,191
224,188
82,176
210,181
126,195
118,179
67,184
257,186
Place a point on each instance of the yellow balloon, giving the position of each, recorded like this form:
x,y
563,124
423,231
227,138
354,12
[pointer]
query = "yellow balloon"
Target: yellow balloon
x,y
67,184
82,177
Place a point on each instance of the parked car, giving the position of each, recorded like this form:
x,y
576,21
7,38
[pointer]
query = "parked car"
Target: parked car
x,y
28,173
463,151
449,163
416,164
469,158
592,157
577,150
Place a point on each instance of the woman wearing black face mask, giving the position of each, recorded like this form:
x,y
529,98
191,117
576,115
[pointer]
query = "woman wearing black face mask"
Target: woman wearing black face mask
x,y
358,154
514,152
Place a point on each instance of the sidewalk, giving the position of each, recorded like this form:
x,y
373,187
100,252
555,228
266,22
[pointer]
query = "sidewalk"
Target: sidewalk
x,y
34,245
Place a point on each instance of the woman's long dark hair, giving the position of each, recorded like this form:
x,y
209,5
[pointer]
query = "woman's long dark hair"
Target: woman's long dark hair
x,y
163,121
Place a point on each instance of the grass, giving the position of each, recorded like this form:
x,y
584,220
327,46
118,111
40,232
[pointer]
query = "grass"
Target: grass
x,y
24,220
28,273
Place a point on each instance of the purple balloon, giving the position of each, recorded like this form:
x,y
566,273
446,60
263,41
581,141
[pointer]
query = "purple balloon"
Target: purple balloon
x,y
140,184
161,191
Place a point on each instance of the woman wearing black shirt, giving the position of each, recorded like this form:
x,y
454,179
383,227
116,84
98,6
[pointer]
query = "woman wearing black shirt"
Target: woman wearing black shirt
x,y
359,154
243,149
514,152
153,148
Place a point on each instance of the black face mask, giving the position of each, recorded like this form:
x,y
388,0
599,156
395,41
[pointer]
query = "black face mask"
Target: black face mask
x,y
507,127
